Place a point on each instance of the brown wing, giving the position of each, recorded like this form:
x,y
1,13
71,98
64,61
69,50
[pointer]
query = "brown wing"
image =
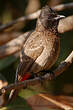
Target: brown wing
x,y
30,52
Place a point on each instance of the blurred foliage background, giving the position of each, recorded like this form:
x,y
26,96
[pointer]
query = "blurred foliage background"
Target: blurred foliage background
x,y
12,9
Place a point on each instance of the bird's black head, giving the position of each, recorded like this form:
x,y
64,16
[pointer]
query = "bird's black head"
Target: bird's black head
x,y
49,18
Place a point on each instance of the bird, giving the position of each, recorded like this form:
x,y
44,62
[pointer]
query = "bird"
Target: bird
x,y
41,48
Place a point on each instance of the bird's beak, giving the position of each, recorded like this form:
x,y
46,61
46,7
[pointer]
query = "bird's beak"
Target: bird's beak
x,y
59,17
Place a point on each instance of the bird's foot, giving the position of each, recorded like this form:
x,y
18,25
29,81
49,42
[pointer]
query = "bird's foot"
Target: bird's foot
x,y
51,73
33,75
39,76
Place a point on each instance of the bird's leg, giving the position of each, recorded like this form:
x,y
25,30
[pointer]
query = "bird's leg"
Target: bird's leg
x,y
33,75
41,79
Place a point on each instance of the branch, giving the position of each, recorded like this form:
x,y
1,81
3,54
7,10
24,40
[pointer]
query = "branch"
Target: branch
x,y
3,83
65,24
13,46
7,36
56,100
64,65
62,7
18,23
59,70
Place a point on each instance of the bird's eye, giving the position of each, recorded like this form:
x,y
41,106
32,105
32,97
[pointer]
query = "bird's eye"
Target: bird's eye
x,y
52,15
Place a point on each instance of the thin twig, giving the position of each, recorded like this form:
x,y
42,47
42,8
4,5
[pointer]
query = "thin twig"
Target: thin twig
x,y
18,23
62,7
60,69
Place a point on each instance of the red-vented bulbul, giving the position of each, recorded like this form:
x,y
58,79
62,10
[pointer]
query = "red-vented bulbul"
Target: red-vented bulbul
x,y
42,48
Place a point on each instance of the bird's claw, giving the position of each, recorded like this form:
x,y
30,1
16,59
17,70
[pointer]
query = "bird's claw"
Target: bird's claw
x,y
51,73
38,75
